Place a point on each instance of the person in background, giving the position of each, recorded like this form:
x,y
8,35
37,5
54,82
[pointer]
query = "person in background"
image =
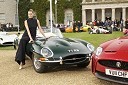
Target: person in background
x,y
10,26
29,36
74,26
126,24
121,24
7,27
78,25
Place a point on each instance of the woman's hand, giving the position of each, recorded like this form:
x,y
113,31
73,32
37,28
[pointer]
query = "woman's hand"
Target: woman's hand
x,y
31,41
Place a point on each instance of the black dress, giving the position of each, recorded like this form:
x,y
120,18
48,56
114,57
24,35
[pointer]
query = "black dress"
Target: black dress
x,y
21,51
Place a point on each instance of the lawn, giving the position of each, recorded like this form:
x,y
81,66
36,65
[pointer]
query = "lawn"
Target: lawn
x,y
95,39
6,48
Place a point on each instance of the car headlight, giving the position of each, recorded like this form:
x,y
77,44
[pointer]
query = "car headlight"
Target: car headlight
x,y
46,52
99,51
90,47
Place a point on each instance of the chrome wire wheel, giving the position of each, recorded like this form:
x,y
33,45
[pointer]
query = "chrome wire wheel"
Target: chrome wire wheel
x,y
39,67
37,63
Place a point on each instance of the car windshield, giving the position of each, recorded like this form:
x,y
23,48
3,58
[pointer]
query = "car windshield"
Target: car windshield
x,y
47,30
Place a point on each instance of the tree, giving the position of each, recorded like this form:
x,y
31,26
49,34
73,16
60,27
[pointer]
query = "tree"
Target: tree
x,y
41,7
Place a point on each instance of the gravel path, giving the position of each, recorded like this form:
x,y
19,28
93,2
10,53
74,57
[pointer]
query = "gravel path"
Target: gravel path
x,y
11,75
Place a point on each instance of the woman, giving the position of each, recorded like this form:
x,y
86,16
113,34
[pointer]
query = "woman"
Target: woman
x,y
29,35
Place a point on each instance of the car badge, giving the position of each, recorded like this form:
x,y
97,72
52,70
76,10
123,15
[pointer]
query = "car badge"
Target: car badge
x,y
118,64
73,50
74,59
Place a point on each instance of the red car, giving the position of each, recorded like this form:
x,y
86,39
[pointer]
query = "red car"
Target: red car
x,y
110,61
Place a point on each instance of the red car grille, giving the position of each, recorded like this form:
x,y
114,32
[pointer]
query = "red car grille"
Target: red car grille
x,y
113,64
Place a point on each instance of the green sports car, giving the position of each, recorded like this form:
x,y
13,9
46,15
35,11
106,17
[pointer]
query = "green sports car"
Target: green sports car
x,y
57,51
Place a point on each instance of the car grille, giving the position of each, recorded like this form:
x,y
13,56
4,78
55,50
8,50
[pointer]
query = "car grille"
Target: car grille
x,y
112,64
74,59
108,77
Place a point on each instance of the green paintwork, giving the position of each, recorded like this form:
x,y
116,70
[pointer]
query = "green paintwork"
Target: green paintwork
x,y
60,46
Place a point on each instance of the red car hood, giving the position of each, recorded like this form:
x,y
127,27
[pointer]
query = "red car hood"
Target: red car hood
x,y
115,50
120,44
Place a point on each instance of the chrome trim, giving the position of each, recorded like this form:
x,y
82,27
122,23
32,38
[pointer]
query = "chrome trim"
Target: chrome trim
x,y
73,59
92,47
88,58
49,50
60,61
57,61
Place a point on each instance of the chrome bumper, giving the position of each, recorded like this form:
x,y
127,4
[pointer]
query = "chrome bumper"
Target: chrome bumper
x,y
56,61
59,61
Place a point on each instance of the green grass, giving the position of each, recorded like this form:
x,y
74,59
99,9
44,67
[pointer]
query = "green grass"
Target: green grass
x,y
95,39
6,48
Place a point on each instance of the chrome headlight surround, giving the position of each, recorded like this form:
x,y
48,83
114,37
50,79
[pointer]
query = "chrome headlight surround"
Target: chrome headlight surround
x,y
90,47
46,52
99,50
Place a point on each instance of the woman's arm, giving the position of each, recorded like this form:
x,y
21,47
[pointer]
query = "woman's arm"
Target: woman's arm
x,y
28,31
40,29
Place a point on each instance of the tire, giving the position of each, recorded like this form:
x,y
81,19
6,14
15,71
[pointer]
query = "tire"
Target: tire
x,y
90,31
110,32
98,31
83,65
15,47
38,66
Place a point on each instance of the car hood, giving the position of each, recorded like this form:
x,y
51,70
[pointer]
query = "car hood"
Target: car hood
x,y
65,46
118,44
7,38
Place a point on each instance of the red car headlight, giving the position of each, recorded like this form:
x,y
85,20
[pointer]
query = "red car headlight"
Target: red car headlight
x,y
99,51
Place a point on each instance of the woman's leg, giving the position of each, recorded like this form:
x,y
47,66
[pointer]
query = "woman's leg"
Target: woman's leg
x,y
21,66
20,54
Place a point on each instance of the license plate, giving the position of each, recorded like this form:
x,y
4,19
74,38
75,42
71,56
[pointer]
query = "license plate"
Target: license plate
x,y
117,73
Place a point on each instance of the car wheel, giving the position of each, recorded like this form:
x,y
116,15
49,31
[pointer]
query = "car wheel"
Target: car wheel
x,y
110,31
38,66
98,31
83,65
15,47
89,31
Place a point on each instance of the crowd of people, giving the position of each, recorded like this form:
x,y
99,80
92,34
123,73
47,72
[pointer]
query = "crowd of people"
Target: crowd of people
x,y
74,24
77,24
117,25
6,27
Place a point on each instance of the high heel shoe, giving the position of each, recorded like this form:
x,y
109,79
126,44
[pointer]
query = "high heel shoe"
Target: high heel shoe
x,y
21,66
